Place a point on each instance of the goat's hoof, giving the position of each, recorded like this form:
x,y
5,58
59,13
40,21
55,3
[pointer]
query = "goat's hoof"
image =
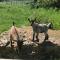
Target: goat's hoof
x,y
45,40
33,40
37,40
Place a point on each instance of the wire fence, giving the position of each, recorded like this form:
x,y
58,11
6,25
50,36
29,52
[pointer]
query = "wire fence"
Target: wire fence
x,y
16,2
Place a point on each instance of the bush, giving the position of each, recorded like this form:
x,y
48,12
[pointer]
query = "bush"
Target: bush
x,y
1,0
48,3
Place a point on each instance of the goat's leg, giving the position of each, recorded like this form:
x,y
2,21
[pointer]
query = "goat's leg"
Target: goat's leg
x,y
11,41
37,39
46,36
33,36
11,44
7,43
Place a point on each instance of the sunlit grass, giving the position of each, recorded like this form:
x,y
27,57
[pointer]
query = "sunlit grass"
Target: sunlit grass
x,y
20,13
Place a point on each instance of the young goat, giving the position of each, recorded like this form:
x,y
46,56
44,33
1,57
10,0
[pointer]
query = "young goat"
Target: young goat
x,y
40,28
14,36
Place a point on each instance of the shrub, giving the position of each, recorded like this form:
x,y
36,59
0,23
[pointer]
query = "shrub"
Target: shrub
x,y
48,3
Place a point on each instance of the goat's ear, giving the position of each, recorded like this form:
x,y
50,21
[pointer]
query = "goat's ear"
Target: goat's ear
x,y
29,20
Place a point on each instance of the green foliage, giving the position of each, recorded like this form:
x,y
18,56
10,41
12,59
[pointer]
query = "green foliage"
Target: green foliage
x,y
1,0
48,3
20,13
16,13
47,15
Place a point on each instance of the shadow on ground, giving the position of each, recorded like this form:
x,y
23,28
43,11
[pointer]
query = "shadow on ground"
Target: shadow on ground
x,y
43,51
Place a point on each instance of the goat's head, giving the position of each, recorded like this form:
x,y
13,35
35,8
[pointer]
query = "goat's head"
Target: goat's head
x,y
50,25
31,21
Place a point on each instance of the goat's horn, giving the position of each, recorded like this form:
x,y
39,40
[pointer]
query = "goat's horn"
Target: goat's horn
x,y
13,23
35,19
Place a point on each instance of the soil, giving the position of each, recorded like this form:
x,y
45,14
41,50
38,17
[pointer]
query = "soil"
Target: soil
x,y
26,33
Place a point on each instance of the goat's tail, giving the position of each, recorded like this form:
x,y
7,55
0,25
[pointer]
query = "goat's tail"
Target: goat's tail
x,y
13,23
50,25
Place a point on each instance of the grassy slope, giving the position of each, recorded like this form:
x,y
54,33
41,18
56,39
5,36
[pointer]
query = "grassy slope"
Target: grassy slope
x,y
20,13
15,13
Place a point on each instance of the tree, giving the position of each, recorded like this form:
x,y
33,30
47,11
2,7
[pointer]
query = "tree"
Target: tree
x,y
49,3
35,1
1,0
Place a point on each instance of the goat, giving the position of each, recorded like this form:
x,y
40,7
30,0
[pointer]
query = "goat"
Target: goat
x,y
14,36
40,28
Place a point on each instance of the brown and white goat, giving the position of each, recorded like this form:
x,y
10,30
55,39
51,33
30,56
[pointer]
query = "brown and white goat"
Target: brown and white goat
x,y
14,36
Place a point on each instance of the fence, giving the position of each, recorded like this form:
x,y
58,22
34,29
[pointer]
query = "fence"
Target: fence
x,y
16,2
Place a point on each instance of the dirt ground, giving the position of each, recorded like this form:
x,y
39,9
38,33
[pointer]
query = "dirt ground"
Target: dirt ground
x,y
54,35
26,33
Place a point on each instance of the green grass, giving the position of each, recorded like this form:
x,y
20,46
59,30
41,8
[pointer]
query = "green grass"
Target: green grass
x,y
16,13
20,13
